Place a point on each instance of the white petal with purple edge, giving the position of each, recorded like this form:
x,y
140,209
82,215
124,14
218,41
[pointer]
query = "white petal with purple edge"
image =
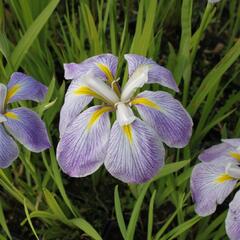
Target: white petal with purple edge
x,y
82,149
26,126
24,87
3,94
75,101
215,152
235,142
166,115
8,149
157,73
103,66
232,221
210,186
135,152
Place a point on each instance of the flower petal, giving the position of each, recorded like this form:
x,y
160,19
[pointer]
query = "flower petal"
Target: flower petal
x,y
135,152
215,152
8,149
76,99
83,147
104,66
3,94
235,142
210,185
233,218
26,126
157,73
23,87
166,115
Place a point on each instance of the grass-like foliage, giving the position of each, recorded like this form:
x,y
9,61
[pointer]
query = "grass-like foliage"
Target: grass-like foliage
x,y
198,41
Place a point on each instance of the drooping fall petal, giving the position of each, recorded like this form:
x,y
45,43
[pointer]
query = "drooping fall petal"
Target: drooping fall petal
x,y
135,152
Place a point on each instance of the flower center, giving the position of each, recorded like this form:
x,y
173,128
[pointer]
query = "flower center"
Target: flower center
x,y
100,87
125,115
233,170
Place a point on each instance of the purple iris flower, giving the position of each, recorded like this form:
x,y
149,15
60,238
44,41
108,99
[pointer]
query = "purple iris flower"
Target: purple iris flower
x,y
132,148
214,179
20,123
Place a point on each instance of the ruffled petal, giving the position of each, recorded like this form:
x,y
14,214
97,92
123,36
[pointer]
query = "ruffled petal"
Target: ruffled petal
x,y
23,87
135,152
210,186
82,149
3,94
233,218
157,73
104,66
8,149
26,126
76,99
166,115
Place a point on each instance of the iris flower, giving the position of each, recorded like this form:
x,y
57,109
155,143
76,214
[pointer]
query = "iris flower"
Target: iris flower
x,y
132,148
214,179
20,123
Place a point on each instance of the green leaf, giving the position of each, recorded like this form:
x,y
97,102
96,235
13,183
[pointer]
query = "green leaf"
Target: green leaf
x,y
136,211
3,222
119,213
213,78
170,168
150,216
30,35
29,219
86,227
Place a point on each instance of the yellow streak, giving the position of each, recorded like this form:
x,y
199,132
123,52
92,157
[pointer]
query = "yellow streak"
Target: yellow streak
x,y
127,129
87,91
235,155
12,91
11,115
223,178
145,102
97,114
109,76
106,70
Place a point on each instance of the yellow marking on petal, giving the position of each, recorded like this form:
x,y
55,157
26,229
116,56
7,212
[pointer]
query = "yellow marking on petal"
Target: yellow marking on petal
x,y
11,115
106,71
235,155
97,114
12,92
145,102
109,76
127,129
87,91
223,178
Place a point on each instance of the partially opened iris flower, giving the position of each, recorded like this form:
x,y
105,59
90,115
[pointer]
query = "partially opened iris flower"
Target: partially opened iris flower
x,y
214,179
132,148
20,123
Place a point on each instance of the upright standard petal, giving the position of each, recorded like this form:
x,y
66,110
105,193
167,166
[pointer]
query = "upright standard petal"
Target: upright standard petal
x,y
76,99
210,185
135,152
8,149
26,126
166,115
83,147
157,73
23,87
104,66
233,218
3,94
